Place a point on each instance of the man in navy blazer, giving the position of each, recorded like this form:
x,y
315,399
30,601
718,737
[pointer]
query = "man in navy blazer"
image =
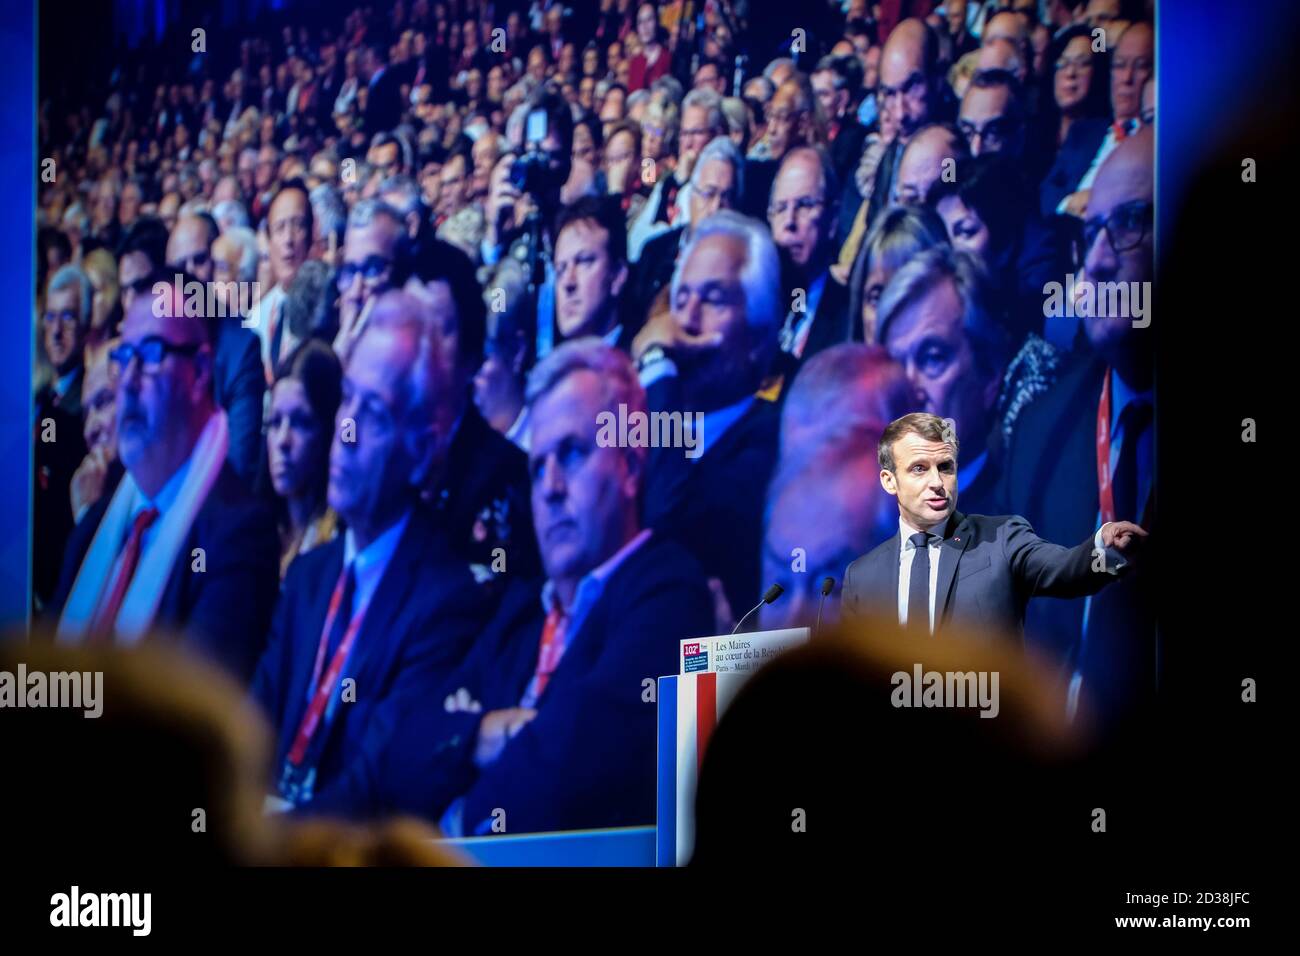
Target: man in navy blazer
x,y
550,723
191,507
943,565
382,614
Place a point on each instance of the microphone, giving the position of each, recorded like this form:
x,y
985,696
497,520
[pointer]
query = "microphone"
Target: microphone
x,y
772,593
828,585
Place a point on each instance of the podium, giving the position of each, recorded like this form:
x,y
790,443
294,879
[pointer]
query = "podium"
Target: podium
x,y
712,670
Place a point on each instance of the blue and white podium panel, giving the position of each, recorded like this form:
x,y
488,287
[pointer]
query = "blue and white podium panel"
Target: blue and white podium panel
x,y
713,669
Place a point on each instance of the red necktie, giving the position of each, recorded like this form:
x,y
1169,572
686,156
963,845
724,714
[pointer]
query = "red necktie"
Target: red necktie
x,y
102,626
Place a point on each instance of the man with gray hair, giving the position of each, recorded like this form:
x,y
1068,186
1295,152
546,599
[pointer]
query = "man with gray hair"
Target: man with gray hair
x,y
717,182
710,356
329,223
669,202
64,328
546,718
391,585
370,247
229,213
59,442
802,214
935,319
403,194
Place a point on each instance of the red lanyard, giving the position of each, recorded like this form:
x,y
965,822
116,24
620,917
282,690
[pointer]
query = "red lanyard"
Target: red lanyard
x,y
324,689
549,652
1105,491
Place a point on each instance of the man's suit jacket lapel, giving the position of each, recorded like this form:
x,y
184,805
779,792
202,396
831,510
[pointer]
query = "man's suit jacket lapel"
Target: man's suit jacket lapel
x,y
954,546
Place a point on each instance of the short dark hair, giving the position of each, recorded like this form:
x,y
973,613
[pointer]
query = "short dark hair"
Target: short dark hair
x,y
993,188
928,426
148,236
314,364
559,116
994,78
434,260
300,186
603,212
593,126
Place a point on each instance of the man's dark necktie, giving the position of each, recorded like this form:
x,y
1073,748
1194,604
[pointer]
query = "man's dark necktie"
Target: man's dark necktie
x,y
1135,419
918,591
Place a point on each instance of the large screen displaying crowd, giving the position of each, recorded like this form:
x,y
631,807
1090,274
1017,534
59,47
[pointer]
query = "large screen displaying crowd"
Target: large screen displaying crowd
x,y
481,352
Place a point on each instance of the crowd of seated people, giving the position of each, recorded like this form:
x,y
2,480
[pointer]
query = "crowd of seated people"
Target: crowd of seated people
x,y
328,318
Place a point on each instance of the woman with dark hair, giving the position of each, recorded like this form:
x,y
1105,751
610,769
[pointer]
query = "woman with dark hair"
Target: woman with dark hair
x,y
300,422
901,233
1078,80
1075,107
986,211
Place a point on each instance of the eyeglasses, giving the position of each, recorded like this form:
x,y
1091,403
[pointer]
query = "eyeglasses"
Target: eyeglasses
x,y
992,134
1138,65
151,350
784,117
1125,228
140,286
803,207
191,263
1075,62
66,317
371,269
907,88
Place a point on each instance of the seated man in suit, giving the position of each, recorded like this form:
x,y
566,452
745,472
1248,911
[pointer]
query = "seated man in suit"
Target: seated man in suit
x,y
238,382
180,545
980,570
383,612
717,182
59,449
710,357
478,487
802,215
1060,477
548,725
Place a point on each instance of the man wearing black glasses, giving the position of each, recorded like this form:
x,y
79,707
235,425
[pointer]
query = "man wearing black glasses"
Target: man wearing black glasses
x,y
909,89
1085,451
180,548
370,248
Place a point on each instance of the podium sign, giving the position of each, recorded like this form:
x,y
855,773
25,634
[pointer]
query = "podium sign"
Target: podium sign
x,y
690,703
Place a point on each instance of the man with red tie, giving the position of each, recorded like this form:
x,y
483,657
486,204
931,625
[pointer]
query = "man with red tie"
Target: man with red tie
x,y
377,618
1084,452
180,548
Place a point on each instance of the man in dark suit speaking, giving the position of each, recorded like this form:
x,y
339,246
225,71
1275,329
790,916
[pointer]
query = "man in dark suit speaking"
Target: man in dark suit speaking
x,y
982,570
